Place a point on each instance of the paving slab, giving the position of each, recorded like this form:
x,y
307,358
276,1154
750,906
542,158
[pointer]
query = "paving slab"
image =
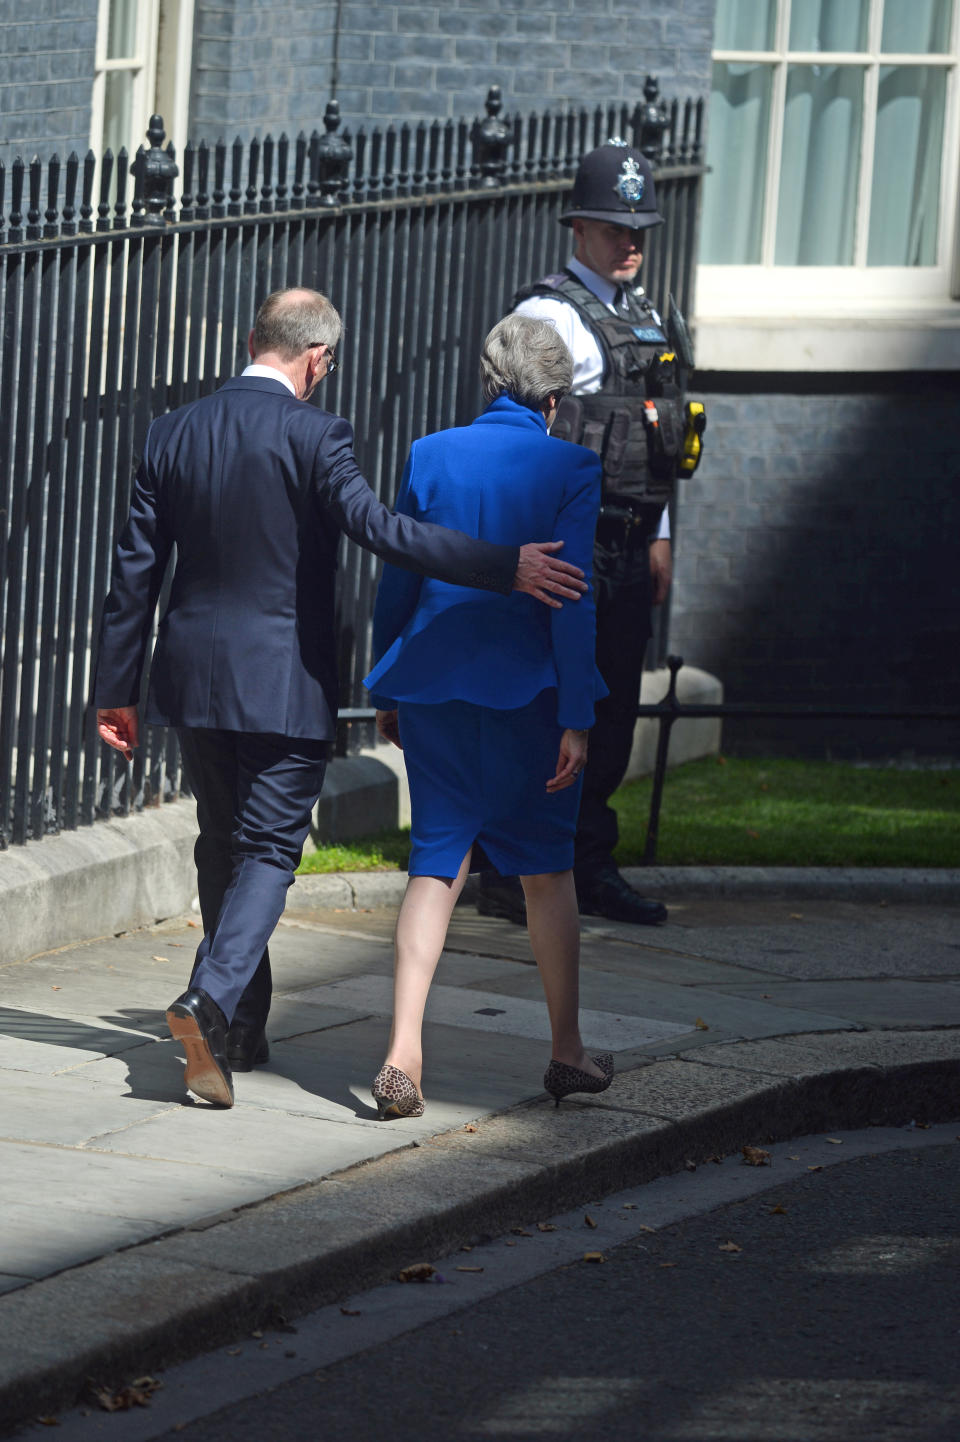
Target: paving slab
x,y
140,1226
880,1002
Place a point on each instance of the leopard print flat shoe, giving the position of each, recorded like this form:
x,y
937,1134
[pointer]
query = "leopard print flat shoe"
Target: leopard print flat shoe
x,y
395,1094
561,1080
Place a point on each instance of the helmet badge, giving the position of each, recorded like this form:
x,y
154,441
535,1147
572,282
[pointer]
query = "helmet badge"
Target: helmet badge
x,y
629,185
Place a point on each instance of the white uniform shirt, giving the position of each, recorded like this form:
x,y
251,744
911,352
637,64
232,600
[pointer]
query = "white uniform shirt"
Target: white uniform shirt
x,y
582,344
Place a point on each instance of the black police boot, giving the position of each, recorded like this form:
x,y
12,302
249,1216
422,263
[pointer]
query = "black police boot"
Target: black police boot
x,y
501,896
608,894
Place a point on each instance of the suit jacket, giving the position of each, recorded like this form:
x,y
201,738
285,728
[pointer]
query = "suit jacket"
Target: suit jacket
x,y
253,488
500,478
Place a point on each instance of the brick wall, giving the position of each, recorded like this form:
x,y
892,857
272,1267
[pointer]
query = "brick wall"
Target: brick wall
x,y
260,69
270,68
816,555
46,77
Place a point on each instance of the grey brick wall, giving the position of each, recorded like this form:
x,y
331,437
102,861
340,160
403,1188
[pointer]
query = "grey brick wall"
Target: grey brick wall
x,y
260,68
46,77
816,557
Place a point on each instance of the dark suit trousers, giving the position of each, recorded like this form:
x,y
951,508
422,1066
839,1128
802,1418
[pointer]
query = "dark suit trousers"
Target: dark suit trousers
x,y
622,589
255,795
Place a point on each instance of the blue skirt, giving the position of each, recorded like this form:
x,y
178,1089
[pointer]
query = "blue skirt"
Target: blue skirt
x,y
477,774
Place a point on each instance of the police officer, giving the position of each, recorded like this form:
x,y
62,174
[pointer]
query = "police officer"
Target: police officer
x,y
628,405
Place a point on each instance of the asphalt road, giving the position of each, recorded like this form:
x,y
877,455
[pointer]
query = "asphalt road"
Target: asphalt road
x,y
814,1303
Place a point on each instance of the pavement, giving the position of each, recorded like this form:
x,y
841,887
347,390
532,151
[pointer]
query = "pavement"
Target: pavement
x,y
141,1228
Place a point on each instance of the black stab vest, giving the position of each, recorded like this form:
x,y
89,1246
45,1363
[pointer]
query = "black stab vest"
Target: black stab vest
x,y
640,445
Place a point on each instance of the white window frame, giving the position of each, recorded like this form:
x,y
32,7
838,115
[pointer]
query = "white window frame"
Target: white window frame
x,y
812,317
160,66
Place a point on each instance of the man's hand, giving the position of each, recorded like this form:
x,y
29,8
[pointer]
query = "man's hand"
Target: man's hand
x,y
119,727
539,572
388,726
571,760
661,570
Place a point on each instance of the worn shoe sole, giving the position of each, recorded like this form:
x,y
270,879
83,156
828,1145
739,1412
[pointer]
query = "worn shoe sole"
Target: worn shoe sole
x,y
202,1076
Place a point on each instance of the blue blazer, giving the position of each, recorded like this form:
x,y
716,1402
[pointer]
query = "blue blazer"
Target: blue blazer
x,y
501,478
253,488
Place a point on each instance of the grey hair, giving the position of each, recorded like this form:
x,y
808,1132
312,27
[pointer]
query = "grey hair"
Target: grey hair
x,y
525,359
291,321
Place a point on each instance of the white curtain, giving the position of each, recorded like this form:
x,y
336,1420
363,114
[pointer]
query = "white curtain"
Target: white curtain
x,y
916,27
905,197
820,165
733,191
828,24
744,24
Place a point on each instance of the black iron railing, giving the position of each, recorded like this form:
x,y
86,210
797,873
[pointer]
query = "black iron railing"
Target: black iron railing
x,y
669,709
120,300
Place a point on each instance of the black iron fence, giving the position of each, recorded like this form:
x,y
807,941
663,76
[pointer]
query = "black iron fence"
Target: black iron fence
x,y
121,299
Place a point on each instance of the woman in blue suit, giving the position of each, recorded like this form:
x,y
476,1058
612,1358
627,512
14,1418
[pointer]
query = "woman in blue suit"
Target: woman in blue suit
x,y
490,701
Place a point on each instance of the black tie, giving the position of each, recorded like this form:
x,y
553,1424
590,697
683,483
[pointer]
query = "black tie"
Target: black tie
x,y
618,297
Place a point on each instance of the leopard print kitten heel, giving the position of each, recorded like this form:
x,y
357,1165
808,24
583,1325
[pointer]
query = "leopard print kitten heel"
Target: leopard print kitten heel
x,y
395,1094
561,1080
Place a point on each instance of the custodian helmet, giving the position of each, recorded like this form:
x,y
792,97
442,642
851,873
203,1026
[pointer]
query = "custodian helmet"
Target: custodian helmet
x,y
614,183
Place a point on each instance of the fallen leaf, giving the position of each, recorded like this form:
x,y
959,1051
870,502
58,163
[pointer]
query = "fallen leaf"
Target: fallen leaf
x,y
645,1228
793,1159
121,1399
814,1169
469,1127
48,1421
417,1272
668,1264
778,1211
594,1257
689,1165
721,760
234,1351
717,1159
54,988
508,1243
834,1141
469,1269
588,1221
546,1227
194,923
755,1157
161,958
923,1126
466,1248
629,1206
521,1232
796,916
256,1334
351,1312
729,1247
700,1024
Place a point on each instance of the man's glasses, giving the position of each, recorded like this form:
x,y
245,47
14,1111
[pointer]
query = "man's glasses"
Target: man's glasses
x,y
332,363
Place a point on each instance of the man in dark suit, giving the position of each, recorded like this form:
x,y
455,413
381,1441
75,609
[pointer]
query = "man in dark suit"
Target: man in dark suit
x,y
254,490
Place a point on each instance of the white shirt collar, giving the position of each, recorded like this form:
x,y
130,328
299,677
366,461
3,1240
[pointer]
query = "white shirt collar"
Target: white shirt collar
x,y
270,374
602,288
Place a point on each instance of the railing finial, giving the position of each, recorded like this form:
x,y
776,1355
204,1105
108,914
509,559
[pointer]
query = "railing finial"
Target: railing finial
x,y
491,140
156,172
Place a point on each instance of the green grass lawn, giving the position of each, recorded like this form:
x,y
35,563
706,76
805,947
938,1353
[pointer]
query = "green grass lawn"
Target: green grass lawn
x,y
727,812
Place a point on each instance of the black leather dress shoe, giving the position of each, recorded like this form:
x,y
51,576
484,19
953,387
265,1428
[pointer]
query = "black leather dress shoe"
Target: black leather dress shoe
x,y
502,896
246,1046
611,896
200,1026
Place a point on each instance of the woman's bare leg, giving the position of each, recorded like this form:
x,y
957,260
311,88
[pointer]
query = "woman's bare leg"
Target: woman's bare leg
x,y
425,913
553,922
